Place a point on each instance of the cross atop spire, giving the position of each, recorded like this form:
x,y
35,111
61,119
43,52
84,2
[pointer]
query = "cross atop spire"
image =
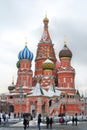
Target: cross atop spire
x,y
13,80
26,41
65,39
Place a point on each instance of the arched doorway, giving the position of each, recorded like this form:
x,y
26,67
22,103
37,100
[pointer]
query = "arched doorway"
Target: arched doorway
x,y
43,108
11,108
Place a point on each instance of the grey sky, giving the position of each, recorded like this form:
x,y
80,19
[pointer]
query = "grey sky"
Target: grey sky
x,y
24,18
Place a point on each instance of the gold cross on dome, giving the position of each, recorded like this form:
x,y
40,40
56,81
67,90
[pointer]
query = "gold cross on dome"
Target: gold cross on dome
x,y
26,41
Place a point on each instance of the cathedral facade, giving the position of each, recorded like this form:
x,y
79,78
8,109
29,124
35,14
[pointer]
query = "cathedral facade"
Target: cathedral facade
x,y
52,88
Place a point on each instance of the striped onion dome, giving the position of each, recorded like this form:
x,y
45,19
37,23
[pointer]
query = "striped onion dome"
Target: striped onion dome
x,y
25,54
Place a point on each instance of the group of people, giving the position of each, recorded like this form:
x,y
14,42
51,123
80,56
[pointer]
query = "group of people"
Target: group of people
x,y
49,121
74,120
4,118
26,119
63,120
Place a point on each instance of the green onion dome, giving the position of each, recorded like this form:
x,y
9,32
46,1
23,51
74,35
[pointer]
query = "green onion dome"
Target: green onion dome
x,y
65,52
18,64
48,64
11,87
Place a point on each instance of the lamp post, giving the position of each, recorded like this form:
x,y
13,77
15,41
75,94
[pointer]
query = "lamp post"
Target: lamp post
x,y
21,94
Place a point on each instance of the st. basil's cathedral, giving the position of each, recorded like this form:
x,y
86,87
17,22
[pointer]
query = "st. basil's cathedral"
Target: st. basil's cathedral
x,y
52,88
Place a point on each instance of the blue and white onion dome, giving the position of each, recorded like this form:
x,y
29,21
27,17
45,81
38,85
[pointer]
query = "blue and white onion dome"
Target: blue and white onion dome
x,y
25,54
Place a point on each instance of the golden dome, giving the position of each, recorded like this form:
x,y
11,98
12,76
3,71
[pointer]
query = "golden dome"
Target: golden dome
x,y
45,19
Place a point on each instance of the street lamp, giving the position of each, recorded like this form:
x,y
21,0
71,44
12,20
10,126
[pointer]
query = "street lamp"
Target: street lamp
x,y
21,95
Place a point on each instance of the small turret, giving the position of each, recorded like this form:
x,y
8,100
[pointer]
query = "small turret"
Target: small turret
x,y
12,86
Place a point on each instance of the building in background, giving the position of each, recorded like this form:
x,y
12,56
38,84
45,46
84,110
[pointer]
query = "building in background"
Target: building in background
x,y
52,88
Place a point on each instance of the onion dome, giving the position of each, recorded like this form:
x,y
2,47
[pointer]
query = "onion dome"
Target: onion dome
x,y
65,52
11,87
45,19
18,64
48,64
25,54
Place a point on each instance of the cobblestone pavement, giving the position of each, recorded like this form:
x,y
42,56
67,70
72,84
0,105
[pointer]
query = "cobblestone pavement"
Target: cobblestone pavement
x,y
81,126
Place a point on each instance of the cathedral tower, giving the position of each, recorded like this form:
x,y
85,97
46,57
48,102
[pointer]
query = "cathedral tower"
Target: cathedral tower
x,y
66,72
25,73
45,50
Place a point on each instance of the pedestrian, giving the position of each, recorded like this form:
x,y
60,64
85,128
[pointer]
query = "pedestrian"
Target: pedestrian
x,y
76,119
47,122
7,117
66,120
61,120
25,122
28,120
50,122
73,120
39,121
0,120
4,118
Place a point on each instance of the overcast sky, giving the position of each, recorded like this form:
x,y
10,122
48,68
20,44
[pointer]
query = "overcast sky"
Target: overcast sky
x,y
24,18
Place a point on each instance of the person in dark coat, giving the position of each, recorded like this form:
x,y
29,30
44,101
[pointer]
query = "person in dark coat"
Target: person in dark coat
x,y
47,122
51,122
76,119
28,120
25,122
73,120
39,121
4,118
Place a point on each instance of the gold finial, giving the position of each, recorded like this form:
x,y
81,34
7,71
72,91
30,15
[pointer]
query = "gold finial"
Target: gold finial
x,y
25,41
46,19
65,39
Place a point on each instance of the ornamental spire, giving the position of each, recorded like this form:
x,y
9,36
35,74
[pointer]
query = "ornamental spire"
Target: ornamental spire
x,y
46,21
45,36
13,80
65,40
25,41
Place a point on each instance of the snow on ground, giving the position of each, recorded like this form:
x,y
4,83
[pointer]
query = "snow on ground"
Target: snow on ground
x,y
34,123
31,123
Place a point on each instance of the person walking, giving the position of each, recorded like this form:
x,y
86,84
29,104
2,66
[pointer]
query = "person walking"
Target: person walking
x,y
28,120
73,120
4,118
0,120
76,119
25,122
50,122
39,121
47,122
